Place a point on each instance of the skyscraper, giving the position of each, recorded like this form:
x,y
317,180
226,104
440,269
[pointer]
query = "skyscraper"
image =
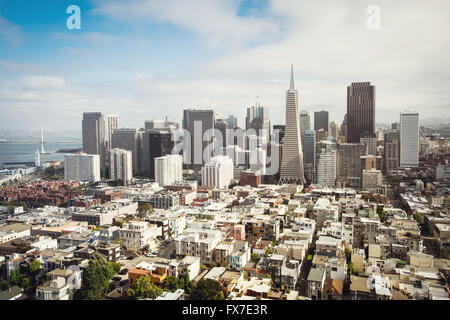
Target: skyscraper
x,y
197,122
156,143
309,153
113,123
360,111
334,130
258,120
292,159
321,120
121,165
93,127
391,150
348,164
325,174
128,139
409,139
305,121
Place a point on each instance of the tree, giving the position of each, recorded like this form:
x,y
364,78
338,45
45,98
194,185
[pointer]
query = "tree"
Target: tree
x,y
255,257
96,278
15,277
207,290
116,267
144,210
171,284
25,282
418,217
144,288
35,266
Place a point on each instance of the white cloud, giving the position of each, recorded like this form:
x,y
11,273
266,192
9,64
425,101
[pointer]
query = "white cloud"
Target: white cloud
x,y
327,41
10,32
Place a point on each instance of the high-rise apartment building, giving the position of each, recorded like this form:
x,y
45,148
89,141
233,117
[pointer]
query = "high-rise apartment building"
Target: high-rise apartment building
x,y
121,165
360,111
409,139
82,167
197,122
349,164
391,150
113,123
292,158
305,121
321,120
129,139
325,173
93,130
154,124
168,169
218,172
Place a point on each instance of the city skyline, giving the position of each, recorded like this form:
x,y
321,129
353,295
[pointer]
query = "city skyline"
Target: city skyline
x,y
169,61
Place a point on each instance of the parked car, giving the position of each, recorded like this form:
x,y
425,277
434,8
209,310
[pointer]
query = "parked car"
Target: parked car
x,y
123,271
116,278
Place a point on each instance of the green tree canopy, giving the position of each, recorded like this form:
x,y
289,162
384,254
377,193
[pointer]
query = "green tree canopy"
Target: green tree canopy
x,y
116,266
35,266
207,290
144,210
255,257
144,288
96,278
418,217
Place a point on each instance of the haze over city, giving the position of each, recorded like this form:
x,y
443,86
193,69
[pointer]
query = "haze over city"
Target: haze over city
x,y
150,59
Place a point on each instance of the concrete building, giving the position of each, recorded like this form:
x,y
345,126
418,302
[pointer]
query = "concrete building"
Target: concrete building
x,y
197,122
93,130
121,165
360,111
391,150
371,179
153,124
138,234
309,153
218,172
409,139
258,119
292,157
155,143
129,139
349,164
321,120
305,121
168,169
113,123
334,130
82,167
325,171
323,210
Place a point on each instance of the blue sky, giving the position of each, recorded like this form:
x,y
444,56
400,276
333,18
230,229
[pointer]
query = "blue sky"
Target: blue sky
x,y
146,59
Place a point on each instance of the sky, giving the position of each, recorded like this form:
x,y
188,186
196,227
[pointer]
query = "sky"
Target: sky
x,y
148,59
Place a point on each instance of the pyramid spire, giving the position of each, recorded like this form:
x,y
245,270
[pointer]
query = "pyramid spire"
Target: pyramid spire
x,y
291,84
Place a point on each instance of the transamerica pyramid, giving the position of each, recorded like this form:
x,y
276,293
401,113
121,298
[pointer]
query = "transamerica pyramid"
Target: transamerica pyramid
x,y
292,160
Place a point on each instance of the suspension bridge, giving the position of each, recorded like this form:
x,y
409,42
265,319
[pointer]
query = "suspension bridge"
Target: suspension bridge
x,y
56,137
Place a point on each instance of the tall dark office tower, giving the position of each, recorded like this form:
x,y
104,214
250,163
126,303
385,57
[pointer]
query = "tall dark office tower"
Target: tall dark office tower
x,y
93,130
360,111
197,122
321,120
292,160
309,153
391,150
129,139
155,143
232,122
